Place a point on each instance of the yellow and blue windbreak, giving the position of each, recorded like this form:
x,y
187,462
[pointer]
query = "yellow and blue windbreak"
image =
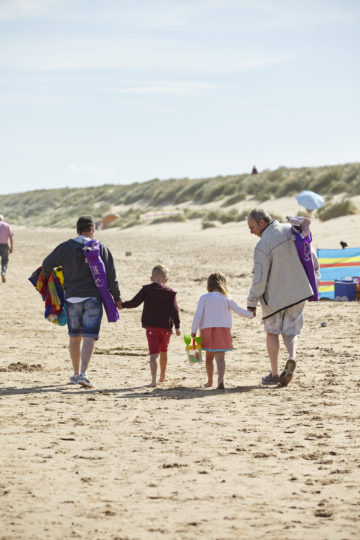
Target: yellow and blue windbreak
x,y
337,264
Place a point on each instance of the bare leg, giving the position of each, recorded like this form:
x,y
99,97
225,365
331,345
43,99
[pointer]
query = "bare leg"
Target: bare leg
x,y
209,368
153,368
273,348
163,364
220,363
86,353
290,344
74,348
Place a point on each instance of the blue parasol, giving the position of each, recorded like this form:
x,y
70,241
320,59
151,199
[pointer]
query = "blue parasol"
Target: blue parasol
x,y
310,200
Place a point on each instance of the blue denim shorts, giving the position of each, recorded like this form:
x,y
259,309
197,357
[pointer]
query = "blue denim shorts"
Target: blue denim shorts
x,y
84,318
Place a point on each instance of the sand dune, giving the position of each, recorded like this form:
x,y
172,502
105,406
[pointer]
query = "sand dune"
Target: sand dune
x,y
124,461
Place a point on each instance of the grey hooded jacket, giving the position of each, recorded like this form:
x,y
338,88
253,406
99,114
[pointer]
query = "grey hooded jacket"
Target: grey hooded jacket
x,y
279,279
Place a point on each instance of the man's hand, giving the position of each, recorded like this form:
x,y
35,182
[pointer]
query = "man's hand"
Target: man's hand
x,y
253,309
193,334
118,304
178,333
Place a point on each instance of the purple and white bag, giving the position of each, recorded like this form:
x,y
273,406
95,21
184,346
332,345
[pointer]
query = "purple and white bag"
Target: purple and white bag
x,y
303,238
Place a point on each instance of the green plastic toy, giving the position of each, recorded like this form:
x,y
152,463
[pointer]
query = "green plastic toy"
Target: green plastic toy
x,y
193,348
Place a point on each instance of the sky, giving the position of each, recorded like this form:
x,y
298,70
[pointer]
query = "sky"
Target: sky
x,y
99,92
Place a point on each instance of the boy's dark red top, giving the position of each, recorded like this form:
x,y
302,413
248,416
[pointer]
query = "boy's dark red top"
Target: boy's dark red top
x,y
160,306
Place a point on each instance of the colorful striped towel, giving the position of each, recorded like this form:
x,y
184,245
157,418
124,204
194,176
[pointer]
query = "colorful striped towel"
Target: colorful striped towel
x,y
52,292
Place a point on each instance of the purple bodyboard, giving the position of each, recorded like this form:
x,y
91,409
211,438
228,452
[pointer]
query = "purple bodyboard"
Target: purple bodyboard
x,y
97,267
304,250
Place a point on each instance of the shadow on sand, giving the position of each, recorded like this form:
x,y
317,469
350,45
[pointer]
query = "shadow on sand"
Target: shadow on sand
x,y
176,392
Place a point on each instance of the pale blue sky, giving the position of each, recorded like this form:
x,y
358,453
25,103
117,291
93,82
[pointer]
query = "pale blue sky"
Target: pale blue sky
x,y
122,91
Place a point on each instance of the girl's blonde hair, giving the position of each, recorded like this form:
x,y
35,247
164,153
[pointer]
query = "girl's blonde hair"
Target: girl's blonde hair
x,y
217,282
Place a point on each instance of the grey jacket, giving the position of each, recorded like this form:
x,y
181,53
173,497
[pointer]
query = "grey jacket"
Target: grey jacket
x,y
279,279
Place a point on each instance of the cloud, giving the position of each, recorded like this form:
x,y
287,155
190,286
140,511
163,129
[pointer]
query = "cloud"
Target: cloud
x,y
91,170
131,54
165,87
25,9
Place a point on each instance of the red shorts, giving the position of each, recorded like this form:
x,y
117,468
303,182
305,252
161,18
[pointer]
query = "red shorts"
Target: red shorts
x,y
158,339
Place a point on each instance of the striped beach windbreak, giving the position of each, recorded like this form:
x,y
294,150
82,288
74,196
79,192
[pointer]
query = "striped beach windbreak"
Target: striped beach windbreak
x,y
337,264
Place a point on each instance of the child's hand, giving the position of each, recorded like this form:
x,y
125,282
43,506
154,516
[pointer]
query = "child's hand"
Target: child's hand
x,y
253,311
178,333
118,304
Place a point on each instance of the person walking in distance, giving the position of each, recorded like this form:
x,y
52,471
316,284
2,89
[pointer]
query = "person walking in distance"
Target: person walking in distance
x,y
6,236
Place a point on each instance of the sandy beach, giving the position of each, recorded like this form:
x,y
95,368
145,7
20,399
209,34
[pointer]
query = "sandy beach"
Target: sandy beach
x,y
124,461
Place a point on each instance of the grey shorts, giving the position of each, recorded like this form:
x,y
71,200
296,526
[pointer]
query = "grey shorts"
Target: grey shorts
x,y
288,321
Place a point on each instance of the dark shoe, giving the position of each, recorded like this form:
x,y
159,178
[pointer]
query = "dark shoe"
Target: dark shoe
x,y
3,278
270,379
287,374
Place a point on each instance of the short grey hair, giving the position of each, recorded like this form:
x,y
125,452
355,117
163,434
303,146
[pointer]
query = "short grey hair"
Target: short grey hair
x,y
259,213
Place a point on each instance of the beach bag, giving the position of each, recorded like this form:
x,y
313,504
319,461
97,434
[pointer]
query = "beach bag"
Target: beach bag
x,y
305,254
301,232
193,349
357,281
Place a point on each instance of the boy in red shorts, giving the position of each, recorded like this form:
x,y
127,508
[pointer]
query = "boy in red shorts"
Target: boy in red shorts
x,y
160,314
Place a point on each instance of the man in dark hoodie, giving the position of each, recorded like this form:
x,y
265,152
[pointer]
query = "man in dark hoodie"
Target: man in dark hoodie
x,y
83,302
160,314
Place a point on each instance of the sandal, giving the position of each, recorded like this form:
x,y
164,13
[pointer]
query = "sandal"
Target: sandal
x,y
287,374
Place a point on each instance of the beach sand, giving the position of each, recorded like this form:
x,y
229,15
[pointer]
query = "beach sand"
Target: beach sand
x,y
124,461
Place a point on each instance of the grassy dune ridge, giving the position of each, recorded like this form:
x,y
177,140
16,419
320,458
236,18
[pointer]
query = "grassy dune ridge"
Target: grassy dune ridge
x,y
60,207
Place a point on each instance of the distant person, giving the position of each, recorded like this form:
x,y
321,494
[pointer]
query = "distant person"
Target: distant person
x,y
281,286
254,170
160,314
6,236
213,318
83,303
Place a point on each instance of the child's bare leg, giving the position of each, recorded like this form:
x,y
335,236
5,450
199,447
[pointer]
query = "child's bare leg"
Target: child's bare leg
x,y
220,362
163,364
209,368
153,368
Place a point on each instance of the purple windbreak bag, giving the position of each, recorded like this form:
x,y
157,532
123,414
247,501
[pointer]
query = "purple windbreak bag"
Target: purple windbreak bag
x,y
304,250
97,267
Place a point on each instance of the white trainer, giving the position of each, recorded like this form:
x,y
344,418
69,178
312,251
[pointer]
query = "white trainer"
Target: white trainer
x,y
84,381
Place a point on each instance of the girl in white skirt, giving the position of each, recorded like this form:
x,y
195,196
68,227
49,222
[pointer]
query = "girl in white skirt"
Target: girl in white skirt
x,y
213,318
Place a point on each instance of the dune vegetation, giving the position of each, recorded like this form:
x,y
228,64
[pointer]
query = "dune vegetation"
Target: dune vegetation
x,y
192,197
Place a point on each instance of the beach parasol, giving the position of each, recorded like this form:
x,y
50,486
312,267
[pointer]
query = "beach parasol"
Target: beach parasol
x,y
310,200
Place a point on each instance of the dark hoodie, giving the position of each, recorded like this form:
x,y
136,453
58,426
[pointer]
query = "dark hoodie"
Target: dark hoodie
x,y
78,280
160,307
